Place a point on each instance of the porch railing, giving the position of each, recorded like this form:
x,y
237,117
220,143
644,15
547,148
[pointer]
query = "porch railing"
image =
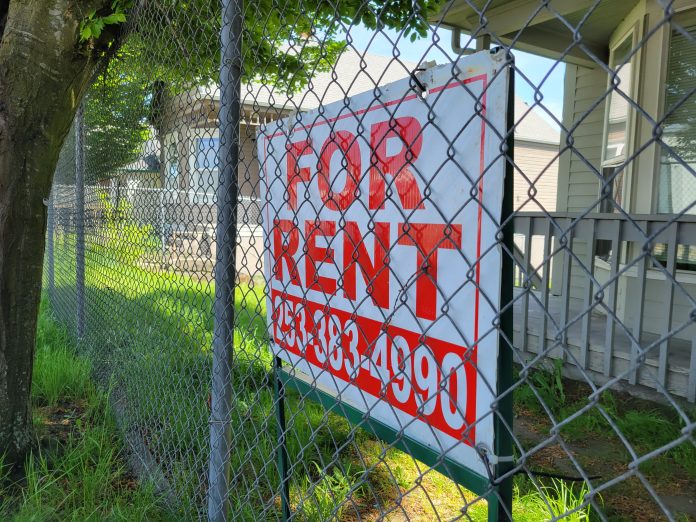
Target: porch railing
x,y
608,292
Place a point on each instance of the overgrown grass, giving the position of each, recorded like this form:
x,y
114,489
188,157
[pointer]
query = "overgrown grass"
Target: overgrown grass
x,y
646,426
58,374
150,333
77,471
605,435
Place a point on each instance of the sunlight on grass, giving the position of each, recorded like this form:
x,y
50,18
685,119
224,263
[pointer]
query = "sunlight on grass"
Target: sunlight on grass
x,y
152,333
554,500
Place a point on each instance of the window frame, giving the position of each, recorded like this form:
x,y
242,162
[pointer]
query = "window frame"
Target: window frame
x,y
634,32
685,15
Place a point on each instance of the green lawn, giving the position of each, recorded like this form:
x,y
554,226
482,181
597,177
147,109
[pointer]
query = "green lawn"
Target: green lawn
x,y
78,470
148,338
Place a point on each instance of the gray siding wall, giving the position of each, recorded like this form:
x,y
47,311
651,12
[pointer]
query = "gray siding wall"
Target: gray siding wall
x,y
578,190
580,167
583,88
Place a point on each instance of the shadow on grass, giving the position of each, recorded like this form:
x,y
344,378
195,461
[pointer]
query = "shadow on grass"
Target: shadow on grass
x,y
148,335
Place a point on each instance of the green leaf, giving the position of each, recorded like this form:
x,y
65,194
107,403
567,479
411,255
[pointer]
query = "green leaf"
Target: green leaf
x,y
114,18
97,27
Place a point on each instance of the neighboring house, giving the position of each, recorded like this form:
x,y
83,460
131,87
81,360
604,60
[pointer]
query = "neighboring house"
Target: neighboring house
x,y
143,172
190,126
536,158
614,140
191,139
536,172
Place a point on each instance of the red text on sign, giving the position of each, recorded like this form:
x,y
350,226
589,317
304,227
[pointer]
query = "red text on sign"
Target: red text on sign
x,y
371,257
429,379
407,131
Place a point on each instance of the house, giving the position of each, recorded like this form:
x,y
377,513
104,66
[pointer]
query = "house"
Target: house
x,y
536,160
626,172
190,140
536,155
189,132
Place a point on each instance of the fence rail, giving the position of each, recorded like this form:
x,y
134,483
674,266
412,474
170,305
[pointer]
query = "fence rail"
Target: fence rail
x,y
603,339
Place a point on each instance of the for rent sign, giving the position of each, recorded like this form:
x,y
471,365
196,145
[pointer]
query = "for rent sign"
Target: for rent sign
x,y
384,265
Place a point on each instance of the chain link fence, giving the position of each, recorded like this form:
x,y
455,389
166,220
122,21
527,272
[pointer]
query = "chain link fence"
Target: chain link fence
x,y
271,263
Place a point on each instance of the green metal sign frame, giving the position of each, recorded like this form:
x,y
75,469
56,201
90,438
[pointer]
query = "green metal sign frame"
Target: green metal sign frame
x,y
498,493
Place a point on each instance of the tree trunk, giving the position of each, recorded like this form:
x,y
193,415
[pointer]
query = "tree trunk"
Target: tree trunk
x,y
44,73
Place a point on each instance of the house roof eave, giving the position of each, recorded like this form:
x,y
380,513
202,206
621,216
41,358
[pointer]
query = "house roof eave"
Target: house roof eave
x,y
538,30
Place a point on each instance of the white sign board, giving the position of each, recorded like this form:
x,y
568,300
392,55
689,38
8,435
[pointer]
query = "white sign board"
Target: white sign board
x,y
384,270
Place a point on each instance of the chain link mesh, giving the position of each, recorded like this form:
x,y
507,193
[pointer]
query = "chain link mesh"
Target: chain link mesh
x,y
604,297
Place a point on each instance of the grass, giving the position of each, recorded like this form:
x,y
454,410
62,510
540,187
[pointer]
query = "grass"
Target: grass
x,y
557,498
646,426
77,471
149,333
58,374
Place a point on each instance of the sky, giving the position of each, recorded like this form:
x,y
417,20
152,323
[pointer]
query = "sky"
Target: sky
x,y
541,73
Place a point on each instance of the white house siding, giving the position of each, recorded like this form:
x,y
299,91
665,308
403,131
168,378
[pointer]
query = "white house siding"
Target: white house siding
x,y
539,163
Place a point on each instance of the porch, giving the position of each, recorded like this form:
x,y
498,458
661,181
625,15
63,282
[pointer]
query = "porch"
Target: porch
x,y
591,303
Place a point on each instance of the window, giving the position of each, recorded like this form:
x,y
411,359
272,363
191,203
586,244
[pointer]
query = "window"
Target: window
x,y
685,256
677,171
617,125
171,167
617,132
204,171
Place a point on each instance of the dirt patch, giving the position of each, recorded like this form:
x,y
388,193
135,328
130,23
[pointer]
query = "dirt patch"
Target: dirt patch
x,y
59,423
603,456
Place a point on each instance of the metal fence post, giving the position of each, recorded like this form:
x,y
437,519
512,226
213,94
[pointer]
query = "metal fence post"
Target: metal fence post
x,y
162,227
504,417
50,258
283,468
80,220
225,269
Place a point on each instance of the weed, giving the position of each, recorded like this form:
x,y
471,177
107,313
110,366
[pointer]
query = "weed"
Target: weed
x,y
651,429
548,386
84,478
400,476
4,484
590,421
58,374
326,498
551,501
647,426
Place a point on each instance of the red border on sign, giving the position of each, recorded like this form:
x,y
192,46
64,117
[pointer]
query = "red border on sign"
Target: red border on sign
x,y
471,437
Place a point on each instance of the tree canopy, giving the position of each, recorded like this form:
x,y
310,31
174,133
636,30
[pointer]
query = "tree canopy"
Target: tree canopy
x,y
115,116
174,46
